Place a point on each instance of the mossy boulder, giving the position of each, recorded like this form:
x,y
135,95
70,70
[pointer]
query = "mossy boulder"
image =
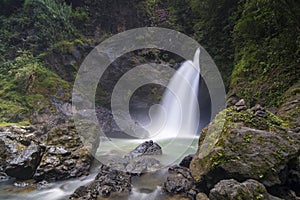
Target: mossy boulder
x,y
245,145
65,156
232,189
289,110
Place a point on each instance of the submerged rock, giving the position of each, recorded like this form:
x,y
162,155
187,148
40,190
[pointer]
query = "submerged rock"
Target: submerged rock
x,y
242,145
146,148
139,160
232,189
141,165
106,182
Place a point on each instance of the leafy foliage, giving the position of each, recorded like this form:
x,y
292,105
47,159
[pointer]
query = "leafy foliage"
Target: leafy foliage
x,y
266,40
27,86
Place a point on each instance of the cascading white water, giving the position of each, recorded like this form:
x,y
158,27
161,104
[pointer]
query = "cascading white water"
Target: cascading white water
x,y
178,113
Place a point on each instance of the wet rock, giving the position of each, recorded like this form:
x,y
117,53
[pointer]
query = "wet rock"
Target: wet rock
x,y
180,181
231,190
240,105
24,164
21,184
141,165
42,185
241,145
146,148
3,177
186,161
106,182
138,161
135,166
19,156
65,156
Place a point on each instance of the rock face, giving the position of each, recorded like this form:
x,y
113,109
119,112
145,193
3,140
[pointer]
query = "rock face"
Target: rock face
x,y
243,145
20,155
231,190
105,183
180,181
290,108
146,148
65,156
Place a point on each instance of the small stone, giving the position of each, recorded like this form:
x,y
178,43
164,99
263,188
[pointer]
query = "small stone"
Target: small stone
x,y
3,177
21,184
240,105
202,196
42,185
58,151
261,113
258,107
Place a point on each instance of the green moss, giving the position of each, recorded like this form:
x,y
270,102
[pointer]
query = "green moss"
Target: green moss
x,y
26,87
265,51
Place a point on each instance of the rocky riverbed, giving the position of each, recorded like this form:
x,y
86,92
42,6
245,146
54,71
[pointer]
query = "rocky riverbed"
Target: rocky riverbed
x,y
255,155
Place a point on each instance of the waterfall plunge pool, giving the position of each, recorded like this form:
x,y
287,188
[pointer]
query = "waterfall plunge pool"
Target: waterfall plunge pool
x,y
145,187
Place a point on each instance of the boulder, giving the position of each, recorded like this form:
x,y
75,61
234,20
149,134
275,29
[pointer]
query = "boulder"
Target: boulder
x,y
180,181
146,148
106,182
23,164
232,189
242,145
65,156
20,155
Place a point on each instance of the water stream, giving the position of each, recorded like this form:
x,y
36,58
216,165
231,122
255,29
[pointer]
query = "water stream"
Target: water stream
x,y
146,187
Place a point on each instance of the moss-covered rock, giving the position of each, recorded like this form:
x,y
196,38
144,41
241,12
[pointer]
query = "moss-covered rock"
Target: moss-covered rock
x,y
232,190
26,87
243,145
65,156
289,110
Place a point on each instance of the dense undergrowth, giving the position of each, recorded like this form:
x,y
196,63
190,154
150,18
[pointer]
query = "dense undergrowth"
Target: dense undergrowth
x,y
255,44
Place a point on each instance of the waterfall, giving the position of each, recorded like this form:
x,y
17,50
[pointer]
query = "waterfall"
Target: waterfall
x,y
178,114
